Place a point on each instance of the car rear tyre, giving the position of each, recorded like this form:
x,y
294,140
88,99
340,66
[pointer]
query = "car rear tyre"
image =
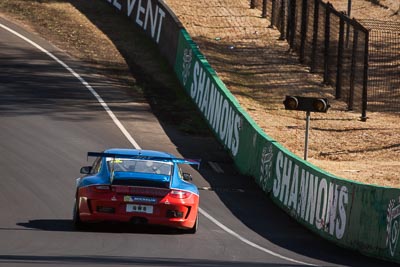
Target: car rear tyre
x,y
193,230
76,220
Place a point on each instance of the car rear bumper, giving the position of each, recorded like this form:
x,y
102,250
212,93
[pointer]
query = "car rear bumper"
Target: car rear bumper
x,y
177,215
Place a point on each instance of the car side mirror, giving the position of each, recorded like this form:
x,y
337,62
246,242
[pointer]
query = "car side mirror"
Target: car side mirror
x,y
187,176
86,169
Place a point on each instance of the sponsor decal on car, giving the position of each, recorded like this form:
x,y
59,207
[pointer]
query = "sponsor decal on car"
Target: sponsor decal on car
x,y
140,199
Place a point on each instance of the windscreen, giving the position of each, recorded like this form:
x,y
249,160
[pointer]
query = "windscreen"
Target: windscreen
x,y
139,166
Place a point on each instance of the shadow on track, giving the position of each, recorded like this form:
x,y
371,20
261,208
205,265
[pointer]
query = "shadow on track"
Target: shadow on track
x,y
131,261
66,226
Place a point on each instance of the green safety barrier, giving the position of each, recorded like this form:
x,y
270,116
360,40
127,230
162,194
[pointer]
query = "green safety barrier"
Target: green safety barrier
x,y
350,214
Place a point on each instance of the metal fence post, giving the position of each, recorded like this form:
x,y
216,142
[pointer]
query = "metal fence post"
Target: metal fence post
x,y
282,16
292,21
252,4
315,36
339,69
327,43
264,9
365,78
288,21
348,26
353,69
304,22
273,12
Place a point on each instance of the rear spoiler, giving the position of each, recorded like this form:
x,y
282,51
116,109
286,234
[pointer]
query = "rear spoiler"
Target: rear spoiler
x,y
166,159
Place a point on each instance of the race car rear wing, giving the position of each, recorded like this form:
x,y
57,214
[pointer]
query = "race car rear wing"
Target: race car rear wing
x,y
144,157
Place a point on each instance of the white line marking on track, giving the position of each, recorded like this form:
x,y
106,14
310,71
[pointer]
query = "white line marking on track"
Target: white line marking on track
x,y
215,166
87,85
136,145
248,242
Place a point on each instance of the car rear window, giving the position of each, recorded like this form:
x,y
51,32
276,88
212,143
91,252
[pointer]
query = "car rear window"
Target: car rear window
x,y
139,166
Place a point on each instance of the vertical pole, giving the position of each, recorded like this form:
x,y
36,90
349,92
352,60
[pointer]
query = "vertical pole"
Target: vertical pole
x,y
252,4
315,36
353,69
292,22
349,8
282,16
289,20
365,78
264,9
304,22
327,42
348,26
273,12
306,137
339,69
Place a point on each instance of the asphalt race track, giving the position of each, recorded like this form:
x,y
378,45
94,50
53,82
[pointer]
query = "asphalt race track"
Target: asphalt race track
x,y
49,120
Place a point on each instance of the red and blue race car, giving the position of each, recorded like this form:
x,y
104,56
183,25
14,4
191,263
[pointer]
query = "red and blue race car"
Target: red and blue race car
x,y
137,186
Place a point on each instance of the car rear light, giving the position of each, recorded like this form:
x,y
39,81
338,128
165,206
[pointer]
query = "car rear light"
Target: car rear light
x,y
179,194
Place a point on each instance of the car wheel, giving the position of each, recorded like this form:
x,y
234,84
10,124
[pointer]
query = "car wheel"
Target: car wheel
x,y
76,221
193,230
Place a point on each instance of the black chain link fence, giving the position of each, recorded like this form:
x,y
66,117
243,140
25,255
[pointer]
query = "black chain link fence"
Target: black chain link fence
x,y
361,62
384,65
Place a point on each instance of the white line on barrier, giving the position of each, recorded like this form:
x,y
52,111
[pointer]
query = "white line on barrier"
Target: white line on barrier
x,y
136,145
